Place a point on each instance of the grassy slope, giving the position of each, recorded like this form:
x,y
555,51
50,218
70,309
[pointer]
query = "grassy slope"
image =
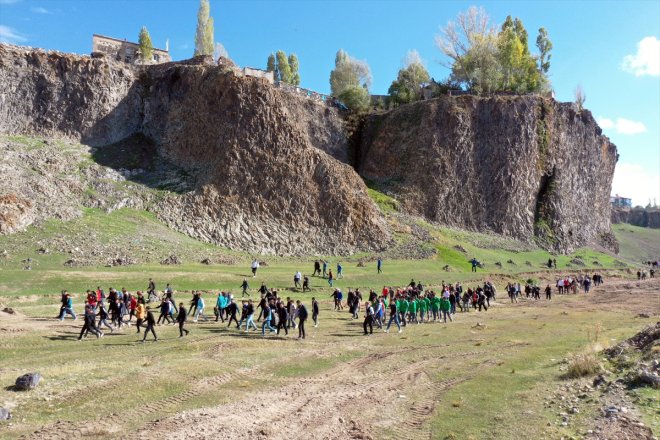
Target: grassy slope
x,y
151,241
637,244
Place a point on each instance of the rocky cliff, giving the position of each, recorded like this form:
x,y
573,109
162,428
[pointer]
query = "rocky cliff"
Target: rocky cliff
x,y
520,166
265,179
252,167
643,217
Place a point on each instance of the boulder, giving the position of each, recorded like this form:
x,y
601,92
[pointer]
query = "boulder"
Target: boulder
x,y
27,381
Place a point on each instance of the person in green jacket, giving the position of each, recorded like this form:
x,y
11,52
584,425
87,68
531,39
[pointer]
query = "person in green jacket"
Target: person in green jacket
x,y
427,303
423,308
435,307
412,311
445,306
402,307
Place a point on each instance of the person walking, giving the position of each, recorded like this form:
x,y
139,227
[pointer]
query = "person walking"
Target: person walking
x,y
140,313
200,308
282,317
340,271
89,324
379,265
306,284
445,307
317,267
249,321
103,318
325,268
548,292
267,318
181,319
315,312
151,323
330,277
394,317
368,318
232,310
255,266
302,317
67,307
245,288
296,279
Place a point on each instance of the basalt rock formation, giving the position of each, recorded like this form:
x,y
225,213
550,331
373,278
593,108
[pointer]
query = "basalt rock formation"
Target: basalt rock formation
x,y
253,167
523,166
638,216
265,177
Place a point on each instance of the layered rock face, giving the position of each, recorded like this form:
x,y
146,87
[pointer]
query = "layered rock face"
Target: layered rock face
x,y
265,177
520,166
645,218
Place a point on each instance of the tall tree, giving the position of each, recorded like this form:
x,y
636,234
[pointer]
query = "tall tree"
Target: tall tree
x,y
283,68
544,46
348,72
408,85
580,97
204,34
270,66
294,65
146,48
350,81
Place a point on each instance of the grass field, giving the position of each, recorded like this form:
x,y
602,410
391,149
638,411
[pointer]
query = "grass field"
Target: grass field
x,y
442,381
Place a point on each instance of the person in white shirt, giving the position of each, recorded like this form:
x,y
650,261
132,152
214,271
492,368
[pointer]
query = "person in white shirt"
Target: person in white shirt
x,y
255,266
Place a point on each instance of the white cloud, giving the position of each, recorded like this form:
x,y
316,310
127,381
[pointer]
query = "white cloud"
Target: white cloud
x,y
626,126
647,59
635,182
40,10
605,123
622,125
9,35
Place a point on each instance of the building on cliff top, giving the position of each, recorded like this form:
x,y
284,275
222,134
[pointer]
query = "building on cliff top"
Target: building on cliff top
x,y
620,202
126,51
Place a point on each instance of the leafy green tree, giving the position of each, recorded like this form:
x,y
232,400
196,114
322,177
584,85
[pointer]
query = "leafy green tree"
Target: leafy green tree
x,y
283,71
355,97
544,46
294,66
408,85
146,48
484,61
348,73
204,34
270,66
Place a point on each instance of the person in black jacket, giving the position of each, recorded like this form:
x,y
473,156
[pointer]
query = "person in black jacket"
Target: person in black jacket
x,y
282,317
181,319
302,317
90,323
232,310
151,322
315,312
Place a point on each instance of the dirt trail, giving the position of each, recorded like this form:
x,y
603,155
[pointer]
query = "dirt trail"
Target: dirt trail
x,y
381,394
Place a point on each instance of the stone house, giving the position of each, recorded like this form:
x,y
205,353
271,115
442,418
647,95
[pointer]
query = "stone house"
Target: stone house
x,y
126,51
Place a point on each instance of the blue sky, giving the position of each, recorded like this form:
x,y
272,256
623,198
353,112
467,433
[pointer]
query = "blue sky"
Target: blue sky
x,y
611,48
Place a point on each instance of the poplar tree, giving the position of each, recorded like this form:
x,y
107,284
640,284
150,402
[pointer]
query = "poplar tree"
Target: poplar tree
x,y
146,48
294,65
204,34
283,69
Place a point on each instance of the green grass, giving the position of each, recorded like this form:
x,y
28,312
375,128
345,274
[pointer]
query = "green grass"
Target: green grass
x,y
387,204
637,244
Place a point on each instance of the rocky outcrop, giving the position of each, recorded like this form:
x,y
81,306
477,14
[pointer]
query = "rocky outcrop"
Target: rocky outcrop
x,y
15,214
266,177
519,166
643,217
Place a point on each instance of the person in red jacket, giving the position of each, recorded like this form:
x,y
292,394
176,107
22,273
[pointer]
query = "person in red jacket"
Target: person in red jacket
x,y
132,306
